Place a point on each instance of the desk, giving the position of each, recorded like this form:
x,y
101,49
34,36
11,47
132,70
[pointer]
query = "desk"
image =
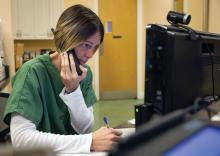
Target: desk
x,y
203,114
125,132
89,154
162,135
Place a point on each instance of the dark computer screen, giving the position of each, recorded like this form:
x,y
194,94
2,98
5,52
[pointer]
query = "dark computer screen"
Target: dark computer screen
x,y
180,68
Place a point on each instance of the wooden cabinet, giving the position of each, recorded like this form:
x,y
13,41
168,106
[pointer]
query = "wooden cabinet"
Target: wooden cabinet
x,y
33,19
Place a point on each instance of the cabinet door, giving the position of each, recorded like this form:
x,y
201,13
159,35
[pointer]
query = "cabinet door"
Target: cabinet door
x,y
14,17
56,8
33,19
42,21
23,17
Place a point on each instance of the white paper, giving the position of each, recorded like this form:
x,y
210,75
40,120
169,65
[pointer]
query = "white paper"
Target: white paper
x,y
132,121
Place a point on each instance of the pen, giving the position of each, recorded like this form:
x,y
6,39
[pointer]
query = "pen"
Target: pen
x,y
106,121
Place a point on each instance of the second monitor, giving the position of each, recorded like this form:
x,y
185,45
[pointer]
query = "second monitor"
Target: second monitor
x,y
180,68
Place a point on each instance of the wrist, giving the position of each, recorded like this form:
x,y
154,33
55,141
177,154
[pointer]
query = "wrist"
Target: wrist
x,y
68,91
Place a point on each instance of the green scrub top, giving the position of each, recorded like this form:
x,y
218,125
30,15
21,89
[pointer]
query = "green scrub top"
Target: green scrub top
x,y
35,95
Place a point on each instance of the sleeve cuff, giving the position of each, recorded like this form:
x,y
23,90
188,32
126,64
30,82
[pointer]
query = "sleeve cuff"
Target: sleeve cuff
x,y
84,143
89,142
73,95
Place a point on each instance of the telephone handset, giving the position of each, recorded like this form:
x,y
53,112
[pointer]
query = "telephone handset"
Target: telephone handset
x,y
76,60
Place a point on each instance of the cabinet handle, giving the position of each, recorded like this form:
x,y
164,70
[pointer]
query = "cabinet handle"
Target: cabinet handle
x,y
19,33
117,36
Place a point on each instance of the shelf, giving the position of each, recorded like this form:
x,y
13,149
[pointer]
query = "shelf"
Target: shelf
x,y
30,38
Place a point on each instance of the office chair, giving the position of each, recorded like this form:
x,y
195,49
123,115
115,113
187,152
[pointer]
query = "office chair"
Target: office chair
x,y
4,129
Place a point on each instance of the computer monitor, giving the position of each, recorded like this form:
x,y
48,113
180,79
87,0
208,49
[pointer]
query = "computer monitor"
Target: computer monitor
x,y
181,66
202,142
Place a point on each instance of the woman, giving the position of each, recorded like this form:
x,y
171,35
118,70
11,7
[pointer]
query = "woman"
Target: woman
x,y
50,104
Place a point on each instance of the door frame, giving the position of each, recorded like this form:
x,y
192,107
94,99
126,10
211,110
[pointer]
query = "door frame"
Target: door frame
x,y
140,54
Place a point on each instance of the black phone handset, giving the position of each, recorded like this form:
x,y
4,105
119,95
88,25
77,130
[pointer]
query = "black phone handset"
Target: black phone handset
x,y
76,60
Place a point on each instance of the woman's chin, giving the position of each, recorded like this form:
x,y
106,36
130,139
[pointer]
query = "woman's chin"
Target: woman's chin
x,y
82,63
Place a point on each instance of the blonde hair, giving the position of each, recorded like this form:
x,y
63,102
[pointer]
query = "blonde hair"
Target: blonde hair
x,y
76,24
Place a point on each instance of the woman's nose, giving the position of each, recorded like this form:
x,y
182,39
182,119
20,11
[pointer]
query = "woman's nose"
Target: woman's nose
x,y
89,53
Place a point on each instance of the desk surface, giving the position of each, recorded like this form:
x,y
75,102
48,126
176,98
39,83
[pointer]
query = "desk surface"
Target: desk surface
x,y
125,132
89,154
203,114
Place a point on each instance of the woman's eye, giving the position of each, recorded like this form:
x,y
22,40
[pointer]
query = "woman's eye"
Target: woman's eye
x,y
88,46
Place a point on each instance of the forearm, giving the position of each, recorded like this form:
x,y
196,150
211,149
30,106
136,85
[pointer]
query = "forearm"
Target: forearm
x,y
81,117
24,133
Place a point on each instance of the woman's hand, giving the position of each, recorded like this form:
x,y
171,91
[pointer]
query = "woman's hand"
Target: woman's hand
x,y
104,139
69,77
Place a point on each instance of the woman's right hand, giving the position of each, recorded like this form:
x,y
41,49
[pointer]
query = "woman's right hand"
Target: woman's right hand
x,y
69,77
104,139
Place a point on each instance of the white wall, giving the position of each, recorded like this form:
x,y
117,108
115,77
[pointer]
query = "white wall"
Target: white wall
x,y
195,9
8,45
214,19
152,11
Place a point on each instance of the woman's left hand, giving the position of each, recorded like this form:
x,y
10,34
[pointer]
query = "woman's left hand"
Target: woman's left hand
x,y
69,77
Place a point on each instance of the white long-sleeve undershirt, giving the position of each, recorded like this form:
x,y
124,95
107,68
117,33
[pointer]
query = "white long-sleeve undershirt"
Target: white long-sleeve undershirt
x,y
82,118
24,132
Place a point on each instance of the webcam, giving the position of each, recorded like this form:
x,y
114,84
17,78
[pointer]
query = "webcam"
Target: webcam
x,y
178,18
